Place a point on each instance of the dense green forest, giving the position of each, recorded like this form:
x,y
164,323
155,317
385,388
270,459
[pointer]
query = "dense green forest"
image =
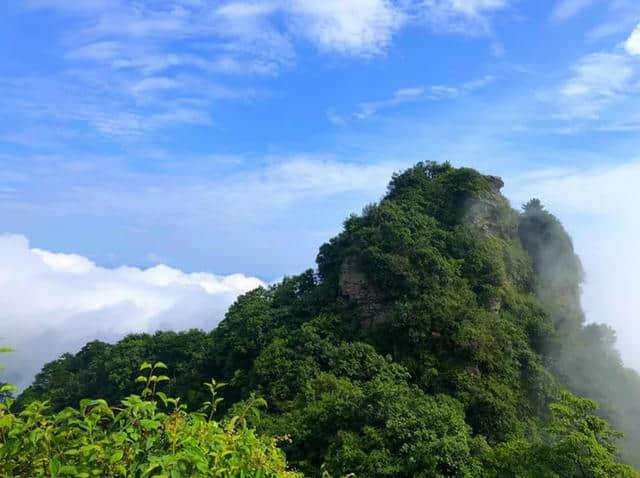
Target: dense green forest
x,y
441,334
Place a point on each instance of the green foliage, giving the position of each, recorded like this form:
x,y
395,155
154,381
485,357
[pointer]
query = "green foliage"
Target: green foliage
x,y
574,443
436,339
558,269
240,337
441,253
340,394
109,371
583,358
6,390
588,363
145,436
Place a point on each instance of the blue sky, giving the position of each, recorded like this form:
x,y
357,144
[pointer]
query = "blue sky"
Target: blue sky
x,y
235,136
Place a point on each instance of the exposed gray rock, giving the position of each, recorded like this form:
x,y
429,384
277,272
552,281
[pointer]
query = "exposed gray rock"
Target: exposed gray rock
x,y
356,289
496,183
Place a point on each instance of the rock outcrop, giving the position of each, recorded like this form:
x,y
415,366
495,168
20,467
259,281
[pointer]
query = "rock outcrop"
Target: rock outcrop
x,y
356,290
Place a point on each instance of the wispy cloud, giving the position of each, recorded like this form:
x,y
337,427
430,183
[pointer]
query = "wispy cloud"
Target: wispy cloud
x,y
134,67
335,118
566,9
616,17
468,17
234,198
600,92
115,106
399,97
259,27
598,80
235,31
417,94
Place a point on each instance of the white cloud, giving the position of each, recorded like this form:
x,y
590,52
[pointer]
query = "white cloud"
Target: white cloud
x,y
599,92
415,94
470,17
605,74
134,67
599,207
304,176
118,107
616,17
632,45
598,80
154,83
362,27
261,27
54,303
84,6
476,7
399,97
97,51
566,9
335,118
245,197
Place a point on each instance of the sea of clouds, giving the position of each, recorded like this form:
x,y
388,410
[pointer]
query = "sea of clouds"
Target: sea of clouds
x,y
53,303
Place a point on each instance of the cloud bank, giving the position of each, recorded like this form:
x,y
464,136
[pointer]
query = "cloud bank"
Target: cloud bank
x,y
54,303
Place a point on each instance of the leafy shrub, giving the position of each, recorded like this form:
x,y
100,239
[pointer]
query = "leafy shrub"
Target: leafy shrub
x,y
147,435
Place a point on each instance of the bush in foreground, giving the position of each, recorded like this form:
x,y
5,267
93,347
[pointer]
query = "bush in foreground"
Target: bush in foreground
x,y
147,435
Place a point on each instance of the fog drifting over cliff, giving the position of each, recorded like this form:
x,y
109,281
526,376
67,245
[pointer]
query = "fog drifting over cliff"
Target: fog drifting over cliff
x,y
599,208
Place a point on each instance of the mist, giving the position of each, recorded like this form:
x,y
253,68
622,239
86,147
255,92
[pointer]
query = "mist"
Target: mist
x,y
598,211
598,208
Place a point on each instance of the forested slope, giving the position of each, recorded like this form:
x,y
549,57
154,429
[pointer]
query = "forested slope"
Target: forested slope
x,y
440,335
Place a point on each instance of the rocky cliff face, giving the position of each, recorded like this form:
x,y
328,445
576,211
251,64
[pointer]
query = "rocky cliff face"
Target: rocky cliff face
x,y
356,290
496,183
483,212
